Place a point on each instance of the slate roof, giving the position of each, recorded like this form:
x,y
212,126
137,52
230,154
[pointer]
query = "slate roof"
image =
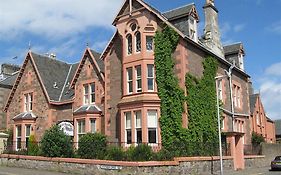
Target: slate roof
x,y
90,109
253,98
98,60
178,12
53,74
9,81
25,116
232,48
277,127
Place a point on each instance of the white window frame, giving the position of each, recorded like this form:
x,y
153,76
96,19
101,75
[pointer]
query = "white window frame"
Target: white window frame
x,y
86,94
129,81
80,131
128,128
26,134
238,96
28,100
193,29
150,77
258,119
18,137
92,87
89,93
91,124
138,128
138,74
241,61
155,127
149,43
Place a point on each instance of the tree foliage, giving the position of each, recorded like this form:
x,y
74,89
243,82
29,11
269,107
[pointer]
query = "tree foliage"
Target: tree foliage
x,y
32,147
56,144
257,138
92,146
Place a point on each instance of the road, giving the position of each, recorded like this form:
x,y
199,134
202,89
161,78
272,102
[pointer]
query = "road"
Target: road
x,y
21,171
254,171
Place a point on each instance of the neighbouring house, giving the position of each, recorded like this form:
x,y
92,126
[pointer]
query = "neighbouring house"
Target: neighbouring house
x,y
278,130
7,78
261,124
115,93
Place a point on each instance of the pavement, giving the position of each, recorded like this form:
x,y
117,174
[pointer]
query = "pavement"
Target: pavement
x,y
253,171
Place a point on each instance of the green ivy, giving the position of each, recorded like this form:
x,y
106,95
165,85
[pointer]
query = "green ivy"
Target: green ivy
x,y
171,95
201,137
201,101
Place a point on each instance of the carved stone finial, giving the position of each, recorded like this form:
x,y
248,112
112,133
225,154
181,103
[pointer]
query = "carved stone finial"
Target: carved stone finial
x,y
210,2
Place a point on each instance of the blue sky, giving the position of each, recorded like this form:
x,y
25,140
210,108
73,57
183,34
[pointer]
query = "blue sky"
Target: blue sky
x,y
64,27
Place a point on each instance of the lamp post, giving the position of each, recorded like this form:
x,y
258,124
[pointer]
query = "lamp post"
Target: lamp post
x,y
228,75
219,122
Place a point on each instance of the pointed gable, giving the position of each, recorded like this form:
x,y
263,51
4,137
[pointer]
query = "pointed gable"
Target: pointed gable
x,y
95,60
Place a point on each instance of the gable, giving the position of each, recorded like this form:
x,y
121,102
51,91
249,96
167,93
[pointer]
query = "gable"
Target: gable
x,y
27,79
89,64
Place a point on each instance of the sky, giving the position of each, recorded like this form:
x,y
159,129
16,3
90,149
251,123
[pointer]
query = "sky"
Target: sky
x,y
66,27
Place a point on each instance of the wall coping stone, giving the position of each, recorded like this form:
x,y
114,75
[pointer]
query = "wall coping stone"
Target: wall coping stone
x,y
174,162
254,156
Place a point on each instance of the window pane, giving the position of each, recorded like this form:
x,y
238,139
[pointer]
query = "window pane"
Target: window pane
x,y
130,80
86,89
150,84
81,126
129,73
138,78
139,136
150,77
30,101
128,120
27,130
152,119
19,131
138,119
129,44
149,43
152,136
150,71
138,42
86,94
129,136
93,98
93,125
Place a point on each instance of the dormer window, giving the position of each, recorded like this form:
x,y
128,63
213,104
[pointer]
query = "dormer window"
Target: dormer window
x,y
129,44
138,41
241,61
193,29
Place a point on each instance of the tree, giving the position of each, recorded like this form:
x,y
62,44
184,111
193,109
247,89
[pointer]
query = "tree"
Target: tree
x,y
56,144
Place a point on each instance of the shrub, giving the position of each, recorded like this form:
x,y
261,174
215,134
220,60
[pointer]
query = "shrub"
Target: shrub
x,y
141,152
56,144
115,153
92,146
32,147
9,144
257,139
163,154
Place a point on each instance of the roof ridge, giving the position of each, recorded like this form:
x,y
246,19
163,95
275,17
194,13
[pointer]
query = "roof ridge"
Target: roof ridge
x,y
238,42
45,56
192,3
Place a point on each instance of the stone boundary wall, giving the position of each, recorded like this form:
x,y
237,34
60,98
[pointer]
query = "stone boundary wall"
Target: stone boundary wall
x,y
182,165
255,161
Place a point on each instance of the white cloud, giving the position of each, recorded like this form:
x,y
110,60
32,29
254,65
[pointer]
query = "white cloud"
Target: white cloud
x,y
53,18
238,27
227,29
274,69
275,27
270,90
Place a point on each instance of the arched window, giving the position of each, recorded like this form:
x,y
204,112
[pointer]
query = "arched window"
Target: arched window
x,y
129,44
138,41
